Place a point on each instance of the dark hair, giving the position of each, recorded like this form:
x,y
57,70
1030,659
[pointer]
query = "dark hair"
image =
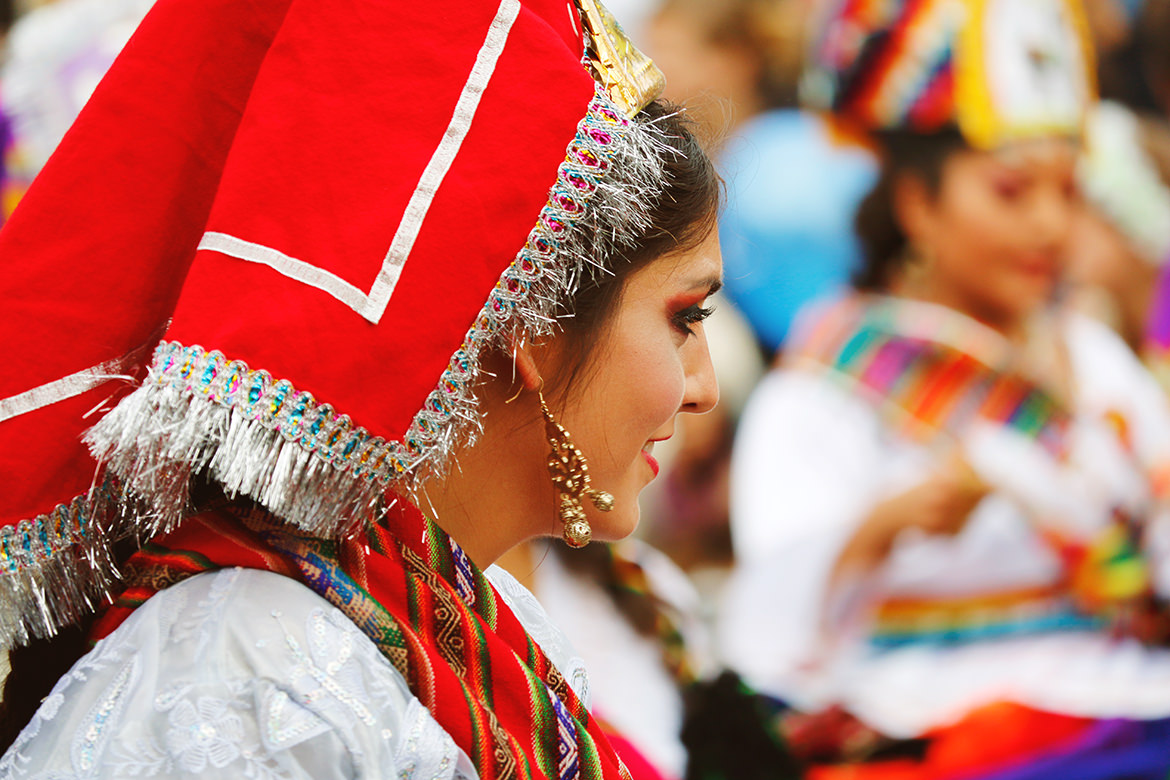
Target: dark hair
x,y
680,220
34,669
1152,27
7,15
883,241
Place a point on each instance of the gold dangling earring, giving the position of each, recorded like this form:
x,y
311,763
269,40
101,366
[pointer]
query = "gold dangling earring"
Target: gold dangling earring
x,y
916,265
570,476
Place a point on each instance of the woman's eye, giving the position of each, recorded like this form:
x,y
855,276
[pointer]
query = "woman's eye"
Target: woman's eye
x,y
690,316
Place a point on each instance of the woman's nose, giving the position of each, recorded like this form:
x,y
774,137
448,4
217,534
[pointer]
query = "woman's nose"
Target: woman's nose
x,y
702,389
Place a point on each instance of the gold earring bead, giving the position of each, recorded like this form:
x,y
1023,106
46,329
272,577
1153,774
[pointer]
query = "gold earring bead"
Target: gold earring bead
x,y
570,476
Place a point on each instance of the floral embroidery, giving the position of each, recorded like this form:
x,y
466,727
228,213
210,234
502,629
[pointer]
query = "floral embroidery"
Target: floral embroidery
x,y
206,732
15,762
329,672
140,758
207,614
137,707
285,722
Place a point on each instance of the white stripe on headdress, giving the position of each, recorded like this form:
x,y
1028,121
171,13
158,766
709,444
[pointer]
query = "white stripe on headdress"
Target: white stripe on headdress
x,y
373,305
75,384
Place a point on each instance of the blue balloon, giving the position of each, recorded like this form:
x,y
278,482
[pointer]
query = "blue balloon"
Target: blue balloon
x,y
787,231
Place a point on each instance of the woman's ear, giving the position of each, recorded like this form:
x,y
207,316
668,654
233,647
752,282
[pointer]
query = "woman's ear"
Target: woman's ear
x,y
524,362
913,206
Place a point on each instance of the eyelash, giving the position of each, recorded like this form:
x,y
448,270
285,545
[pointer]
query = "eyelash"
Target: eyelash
x,y
691,315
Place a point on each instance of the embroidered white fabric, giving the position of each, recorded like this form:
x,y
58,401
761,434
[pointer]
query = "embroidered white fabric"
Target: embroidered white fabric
x,y
811,459
243,673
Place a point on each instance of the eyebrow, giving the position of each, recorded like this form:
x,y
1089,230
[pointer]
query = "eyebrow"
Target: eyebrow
x,y
713,284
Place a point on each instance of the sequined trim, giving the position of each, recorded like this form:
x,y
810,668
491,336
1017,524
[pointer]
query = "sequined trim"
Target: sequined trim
x,y
261,437
611,176
89,743
52,569
36,541
280,407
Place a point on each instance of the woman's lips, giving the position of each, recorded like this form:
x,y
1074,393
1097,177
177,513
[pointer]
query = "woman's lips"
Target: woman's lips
x,y
650,459
1037,265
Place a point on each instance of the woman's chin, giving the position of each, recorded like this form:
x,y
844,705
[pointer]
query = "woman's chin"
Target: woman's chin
x,y
616,525
1030,292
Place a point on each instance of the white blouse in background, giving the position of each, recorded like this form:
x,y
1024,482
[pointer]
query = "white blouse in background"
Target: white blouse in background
x,y
632,688
812,459
245,673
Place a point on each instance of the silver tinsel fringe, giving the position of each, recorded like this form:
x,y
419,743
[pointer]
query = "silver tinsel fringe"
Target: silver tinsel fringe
x,y
257,437
199,414
612,176
55,568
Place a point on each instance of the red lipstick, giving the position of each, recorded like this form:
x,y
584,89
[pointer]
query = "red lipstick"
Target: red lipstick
x,y
650,459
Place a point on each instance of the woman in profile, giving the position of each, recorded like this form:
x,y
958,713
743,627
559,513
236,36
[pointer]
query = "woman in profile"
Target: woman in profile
x,y
425,288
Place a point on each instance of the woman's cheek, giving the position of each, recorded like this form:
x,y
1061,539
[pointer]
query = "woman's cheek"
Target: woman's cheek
x,y
665,399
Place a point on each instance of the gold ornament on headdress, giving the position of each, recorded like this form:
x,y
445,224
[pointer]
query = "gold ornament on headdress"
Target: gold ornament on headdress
x,y
629,77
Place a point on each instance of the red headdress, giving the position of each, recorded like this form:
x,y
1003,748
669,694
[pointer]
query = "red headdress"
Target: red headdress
x,y
326,212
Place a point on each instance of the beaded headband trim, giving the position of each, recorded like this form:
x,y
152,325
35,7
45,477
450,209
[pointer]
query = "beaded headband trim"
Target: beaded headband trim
x,y
258,436
200,411
53,569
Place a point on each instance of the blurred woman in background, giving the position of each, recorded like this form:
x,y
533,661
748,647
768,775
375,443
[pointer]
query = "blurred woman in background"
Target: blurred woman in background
x,y
948,503
792,179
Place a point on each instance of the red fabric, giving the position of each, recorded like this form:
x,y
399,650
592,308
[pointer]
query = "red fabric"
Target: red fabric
x,y
304,127
474,668
336,203
640,768
220,540
94,257
992,737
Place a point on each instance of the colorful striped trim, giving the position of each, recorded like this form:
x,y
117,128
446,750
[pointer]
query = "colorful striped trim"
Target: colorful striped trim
x,y
921,378
905,621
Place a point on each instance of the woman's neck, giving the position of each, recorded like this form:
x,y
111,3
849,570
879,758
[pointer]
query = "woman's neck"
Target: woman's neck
x,y
496,494
521,563
1011,325
1040,351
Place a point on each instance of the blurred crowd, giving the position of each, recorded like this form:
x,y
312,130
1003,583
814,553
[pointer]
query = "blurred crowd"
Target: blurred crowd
x,y
925,532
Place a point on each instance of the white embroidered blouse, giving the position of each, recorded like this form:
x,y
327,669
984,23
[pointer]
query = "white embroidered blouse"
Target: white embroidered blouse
x,y
812,458
245,673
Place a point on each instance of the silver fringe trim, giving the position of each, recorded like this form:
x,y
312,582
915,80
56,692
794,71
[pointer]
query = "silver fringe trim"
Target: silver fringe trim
x,y
612,176
199,414
53,569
